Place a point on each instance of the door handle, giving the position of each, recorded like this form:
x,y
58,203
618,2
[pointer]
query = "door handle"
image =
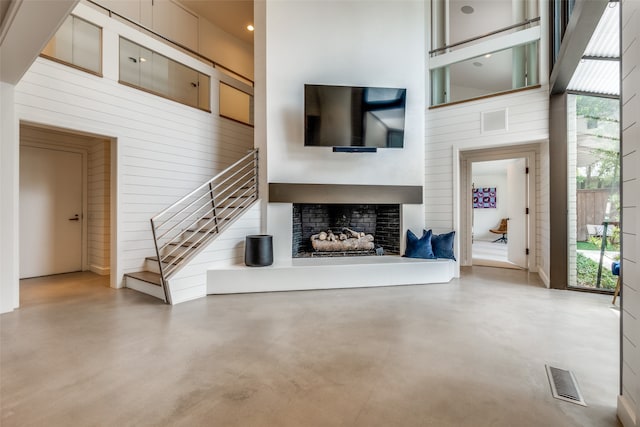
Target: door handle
x,y
76,218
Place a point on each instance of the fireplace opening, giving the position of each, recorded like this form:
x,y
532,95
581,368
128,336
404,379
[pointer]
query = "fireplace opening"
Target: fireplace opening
x,y
345,230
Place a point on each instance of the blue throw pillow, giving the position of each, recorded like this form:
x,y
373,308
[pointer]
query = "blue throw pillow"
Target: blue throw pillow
x,y
419,248
443,245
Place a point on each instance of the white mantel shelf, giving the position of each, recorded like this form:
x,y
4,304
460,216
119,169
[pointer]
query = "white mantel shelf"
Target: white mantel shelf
x,y
312,273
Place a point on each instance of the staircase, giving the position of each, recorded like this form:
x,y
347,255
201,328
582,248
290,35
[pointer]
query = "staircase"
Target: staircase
x,y
186,227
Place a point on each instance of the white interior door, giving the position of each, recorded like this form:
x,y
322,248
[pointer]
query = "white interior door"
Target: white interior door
x,y
50,212
516,212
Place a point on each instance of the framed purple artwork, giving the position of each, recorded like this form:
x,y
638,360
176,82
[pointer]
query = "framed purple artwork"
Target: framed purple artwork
x,y
484,197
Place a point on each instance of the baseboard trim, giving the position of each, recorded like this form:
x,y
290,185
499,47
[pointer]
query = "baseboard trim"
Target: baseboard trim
x,y
626,415
103,271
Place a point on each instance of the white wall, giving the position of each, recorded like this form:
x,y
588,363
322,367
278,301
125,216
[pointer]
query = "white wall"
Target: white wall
x,y
369,43
486,219
226,49
164,149
9,208
629,401
99,206
542,213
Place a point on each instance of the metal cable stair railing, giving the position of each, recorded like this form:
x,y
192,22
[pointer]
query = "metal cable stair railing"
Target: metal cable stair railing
x,y
182,229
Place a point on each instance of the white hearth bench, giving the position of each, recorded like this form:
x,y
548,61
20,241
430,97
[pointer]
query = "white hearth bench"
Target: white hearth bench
x,y
329,273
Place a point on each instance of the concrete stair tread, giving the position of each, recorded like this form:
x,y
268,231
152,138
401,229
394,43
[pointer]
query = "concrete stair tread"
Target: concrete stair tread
x,y
146,276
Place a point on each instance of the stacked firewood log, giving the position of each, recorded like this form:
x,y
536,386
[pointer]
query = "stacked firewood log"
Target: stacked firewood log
x,y
346,240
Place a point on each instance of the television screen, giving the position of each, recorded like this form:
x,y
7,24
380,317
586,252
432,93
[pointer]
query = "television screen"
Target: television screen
x,y
345,116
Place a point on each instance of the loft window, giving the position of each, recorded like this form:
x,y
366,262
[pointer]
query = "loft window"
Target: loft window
x,y
77,43
235,104
147,70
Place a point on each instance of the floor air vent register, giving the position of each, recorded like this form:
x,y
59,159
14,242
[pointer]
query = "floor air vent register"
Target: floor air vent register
x,y
564,386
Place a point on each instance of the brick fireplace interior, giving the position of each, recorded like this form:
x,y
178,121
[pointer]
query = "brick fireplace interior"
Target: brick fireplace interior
x,y
380,220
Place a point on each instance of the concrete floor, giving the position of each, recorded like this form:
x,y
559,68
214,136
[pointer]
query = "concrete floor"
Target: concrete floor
x,y
467,353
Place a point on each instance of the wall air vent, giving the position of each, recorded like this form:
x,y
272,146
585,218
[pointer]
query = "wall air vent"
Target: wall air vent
x,y
494,121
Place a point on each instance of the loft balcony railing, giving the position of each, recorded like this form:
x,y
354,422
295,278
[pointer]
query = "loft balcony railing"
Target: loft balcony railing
x,y
529,23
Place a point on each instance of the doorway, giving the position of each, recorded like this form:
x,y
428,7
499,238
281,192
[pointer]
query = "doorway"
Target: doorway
x,y
65,202
508,174
499,204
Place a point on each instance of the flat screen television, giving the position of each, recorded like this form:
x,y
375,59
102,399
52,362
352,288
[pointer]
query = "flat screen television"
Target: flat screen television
x,y
354,117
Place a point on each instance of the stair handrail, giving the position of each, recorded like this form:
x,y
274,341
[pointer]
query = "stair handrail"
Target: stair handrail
x,y
211,211
208,193
164,211
248,181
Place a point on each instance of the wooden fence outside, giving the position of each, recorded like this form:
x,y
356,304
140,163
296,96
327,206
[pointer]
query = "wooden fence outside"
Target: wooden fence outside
x,y
591,206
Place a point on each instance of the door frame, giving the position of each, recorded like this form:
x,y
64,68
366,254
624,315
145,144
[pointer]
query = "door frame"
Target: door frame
x,y
85,203
463,212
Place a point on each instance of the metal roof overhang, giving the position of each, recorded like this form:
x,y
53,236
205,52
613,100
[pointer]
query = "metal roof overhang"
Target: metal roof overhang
x,y
598,73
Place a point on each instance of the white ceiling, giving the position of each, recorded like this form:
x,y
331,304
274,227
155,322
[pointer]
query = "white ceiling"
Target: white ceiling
x,y
232,16
487,16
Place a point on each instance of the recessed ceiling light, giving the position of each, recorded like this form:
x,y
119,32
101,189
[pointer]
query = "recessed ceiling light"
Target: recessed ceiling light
x,y
488,55
478,64
142,59
250,27
468,10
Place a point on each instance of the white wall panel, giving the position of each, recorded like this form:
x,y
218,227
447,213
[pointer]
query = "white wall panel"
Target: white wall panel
x,y
629,401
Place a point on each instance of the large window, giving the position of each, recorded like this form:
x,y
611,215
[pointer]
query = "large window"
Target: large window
x,y
145,69
594,190
77,43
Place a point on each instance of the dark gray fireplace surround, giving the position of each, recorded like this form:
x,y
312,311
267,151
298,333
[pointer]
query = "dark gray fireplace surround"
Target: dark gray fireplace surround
x,y
372,209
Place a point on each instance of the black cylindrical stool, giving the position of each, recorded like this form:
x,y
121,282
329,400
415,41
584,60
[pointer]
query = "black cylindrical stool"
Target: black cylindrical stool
x,y
258,250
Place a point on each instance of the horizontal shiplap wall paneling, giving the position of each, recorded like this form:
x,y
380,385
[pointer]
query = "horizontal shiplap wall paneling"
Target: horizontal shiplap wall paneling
x,y
99,206
629,402
459,127
164,149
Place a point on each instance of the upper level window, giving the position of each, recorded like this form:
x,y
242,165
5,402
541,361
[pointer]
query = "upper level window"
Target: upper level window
x,y
77,43
488,74
145,69
482,48
235,104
